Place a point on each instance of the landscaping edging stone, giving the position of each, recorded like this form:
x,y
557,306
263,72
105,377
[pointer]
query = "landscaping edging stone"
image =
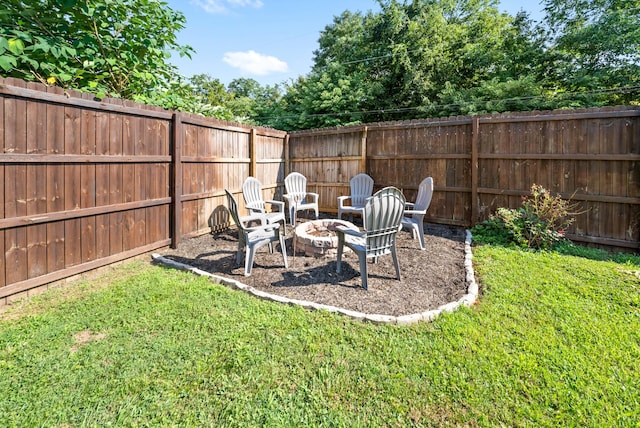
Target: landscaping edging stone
x,y
427,316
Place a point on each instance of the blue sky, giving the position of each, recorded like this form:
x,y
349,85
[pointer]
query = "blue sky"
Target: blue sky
x,y
270,41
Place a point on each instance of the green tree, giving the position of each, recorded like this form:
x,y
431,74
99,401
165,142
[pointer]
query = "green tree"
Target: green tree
x,y
597,44
210,89
254,103
419,58
395,64
107,47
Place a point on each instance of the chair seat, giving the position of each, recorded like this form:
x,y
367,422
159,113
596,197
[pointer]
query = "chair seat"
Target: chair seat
x,y
306,205
354,207
260,235
409,221
274,217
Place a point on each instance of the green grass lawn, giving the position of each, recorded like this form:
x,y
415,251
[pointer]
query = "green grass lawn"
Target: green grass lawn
x,y
553,341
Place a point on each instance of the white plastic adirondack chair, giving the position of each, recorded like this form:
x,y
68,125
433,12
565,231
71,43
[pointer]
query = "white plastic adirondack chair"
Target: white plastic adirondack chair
x,y
414,213
298,199
382,217
252,238
361,188
252,194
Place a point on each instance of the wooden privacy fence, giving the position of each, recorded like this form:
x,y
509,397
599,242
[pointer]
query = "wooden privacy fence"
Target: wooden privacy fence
x,y
88,183
481,163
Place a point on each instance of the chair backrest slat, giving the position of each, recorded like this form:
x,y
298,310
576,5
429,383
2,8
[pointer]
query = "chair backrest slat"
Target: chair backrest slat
x,y
361,188
425,193
233,208
252,193
296,185
383,214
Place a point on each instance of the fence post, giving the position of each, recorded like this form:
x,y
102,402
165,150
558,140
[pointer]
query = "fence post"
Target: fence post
x,y
475,136
287,166
176,180
363,151
252,152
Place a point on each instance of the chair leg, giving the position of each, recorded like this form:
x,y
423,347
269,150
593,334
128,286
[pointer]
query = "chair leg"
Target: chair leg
x,y
239,254
317,213
421,235
242,246
340,249
362,259
395,262
283,248
248,262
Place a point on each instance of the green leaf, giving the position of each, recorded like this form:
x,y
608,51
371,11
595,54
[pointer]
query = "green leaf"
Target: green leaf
x,y
7,62
16,46
4,45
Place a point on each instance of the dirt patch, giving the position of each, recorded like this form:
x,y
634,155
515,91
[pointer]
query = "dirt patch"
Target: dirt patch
x,y
84,337
430,278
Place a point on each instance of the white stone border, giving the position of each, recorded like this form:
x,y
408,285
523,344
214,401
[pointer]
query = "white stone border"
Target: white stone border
x,y
467,300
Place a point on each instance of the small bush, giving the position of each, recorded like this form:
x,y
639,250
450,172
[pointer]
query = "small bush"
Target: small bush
x,y
539,223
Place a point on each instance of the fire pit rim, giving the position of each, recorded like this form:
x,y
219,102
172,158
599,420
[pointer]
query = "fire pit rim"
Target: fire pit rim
x,y
318,245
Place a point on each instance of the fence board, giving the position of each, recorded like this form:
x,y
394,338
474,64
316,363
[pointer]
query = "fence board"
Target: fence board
x,y
129,135
16,240
36,189
88,185
102,185
55,184
72,186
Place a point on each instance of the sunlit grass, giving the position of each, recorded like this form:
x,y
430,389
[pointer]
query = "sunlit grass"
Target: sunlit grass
x,y
553,341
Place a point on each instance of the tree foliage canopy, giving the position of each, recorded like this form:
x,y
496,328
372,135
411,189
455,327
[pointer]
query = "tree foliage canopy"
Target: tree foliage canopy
x,y
419,58
118,46
410,59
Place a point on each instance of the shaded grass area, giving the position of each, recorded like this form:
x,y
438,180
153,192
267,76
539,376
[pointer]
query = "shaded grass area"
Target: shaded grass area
x,y
553,341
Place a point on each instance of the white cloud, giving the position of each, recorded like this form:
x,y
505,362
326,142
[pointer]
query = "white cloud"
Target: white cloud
x,y
255,63
222,6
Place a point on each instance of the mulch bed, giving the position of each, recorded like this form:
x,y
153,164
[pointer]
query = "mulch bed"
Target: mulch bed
x,y
430,278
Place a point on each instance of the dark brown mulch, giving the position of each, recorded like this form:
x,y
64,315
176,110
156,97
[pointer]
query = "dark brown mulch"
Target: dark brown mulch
x,y
430,278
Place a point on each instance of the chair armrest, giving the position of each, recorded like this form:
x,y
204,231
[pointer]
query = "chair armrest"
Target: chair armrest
x,y
341,200
278,204
409,205
349,231
410,212
313,196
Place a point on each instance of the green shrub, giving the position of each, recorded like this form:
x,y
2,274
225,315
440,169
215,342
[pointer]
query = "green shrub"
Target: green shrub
x,y
539,223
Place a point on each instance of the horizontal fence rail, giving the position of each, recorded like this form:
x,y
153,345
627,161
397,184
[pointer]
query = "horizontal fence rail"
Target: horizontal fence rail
x,y
88,183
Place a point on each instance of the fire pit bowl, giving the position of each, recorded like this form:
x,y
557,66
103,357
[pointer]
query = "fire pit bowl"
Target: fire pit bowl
x,y
318,238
